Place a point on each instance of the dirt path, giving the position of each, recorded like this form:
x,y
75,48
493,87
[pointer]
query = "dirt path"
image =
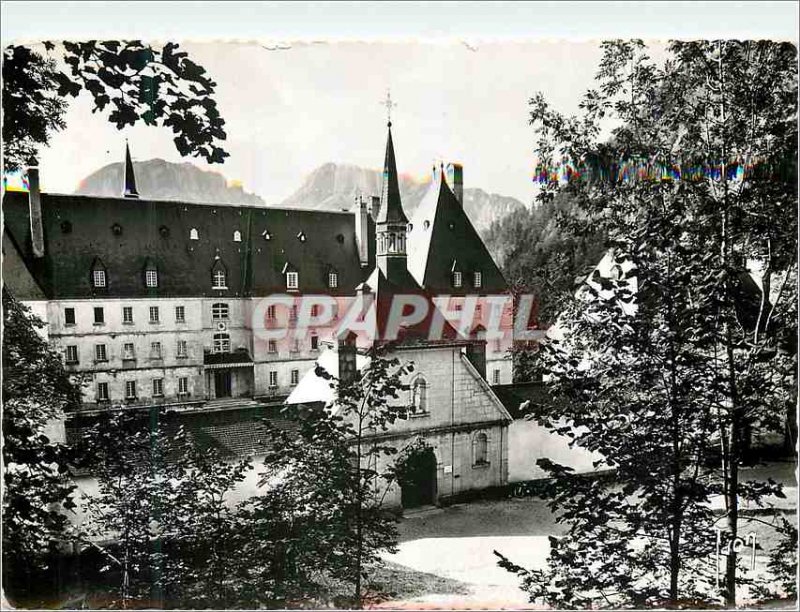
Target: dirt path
x,y
458,543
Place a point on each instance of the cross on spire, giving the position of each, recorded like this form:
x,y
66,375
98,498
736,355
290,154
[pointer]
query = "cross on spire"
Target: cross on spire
x,y
389,106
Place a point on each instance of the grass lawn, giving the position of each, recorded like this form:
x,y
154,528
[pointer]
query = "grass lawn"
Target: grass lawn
x,y
395,581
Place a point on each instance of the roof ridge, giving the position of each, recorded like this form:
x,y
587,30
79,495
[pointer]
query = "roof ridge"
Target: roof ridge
x,y
141,200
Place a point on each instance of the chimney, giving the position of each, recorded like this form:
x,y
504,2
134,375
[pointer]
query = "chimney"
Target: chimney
x,y
376,206
35,204
455,177
476,353
346,349
362,231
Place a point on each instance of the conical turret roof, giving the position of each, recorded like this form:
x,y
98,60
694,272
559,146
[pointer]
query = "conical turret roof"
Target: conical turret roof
x,y
129,189
391,207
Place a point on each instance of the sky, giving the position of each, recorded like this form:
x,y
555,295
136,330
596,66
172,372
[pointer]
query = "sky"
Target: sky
x,y
290,110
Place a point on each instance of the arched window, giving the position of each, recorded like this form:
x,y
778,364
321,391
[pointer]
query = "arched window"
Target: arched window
x,y
237,236
222,342
193,235
219,311
480,449
419,395
392,243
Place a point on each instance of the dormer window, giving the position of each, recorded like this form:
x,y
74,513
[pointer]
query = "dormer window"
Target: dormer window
x,y
266,235
301,236
151,278
218,280
193,235
219,274
477,280
455,275
333,279
99,278
292,276
237,236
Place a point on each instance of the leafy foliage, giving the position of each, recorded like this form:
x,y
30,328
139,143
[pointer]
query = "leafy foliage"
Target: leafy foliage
x,y
333,477
36,484
161,501
672,348
543,254
782,564
32,107
130,80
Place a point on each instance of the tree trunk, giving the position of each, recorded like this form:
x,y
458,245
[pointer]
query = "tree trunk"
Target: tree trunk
x,y
674,560
733,510
359,536
357,603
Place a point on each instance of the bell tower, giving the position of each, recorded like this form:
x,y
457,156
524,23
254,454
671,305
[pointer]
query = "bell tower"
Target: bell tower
x,y
392,223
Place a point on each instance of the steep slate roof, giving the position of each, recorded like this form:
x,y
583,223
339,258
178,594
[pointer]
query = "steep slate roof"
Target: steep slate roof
x,y
450,237
17,278
78,234
520,398
391,208
237,432
383,292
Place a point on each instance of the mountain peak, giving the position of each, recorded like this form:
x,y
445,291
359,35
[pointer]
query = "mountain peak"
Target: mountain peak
x,y
334,186
163,180
330,186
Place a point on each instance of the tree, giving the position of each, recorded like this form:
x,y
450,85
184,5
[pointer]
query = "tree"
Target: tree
x,y
162,502
645,360
36,484
740,109
203,535
134,81
333,470
542,254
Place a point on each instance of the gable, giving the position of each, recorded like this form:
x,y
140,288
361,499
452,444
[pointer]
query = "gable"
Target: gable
x,y
474,397
441,234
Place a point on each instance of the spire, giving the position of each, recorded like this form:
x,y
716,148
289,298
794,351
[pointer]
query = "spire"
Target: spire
x,y
391,206
129,188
